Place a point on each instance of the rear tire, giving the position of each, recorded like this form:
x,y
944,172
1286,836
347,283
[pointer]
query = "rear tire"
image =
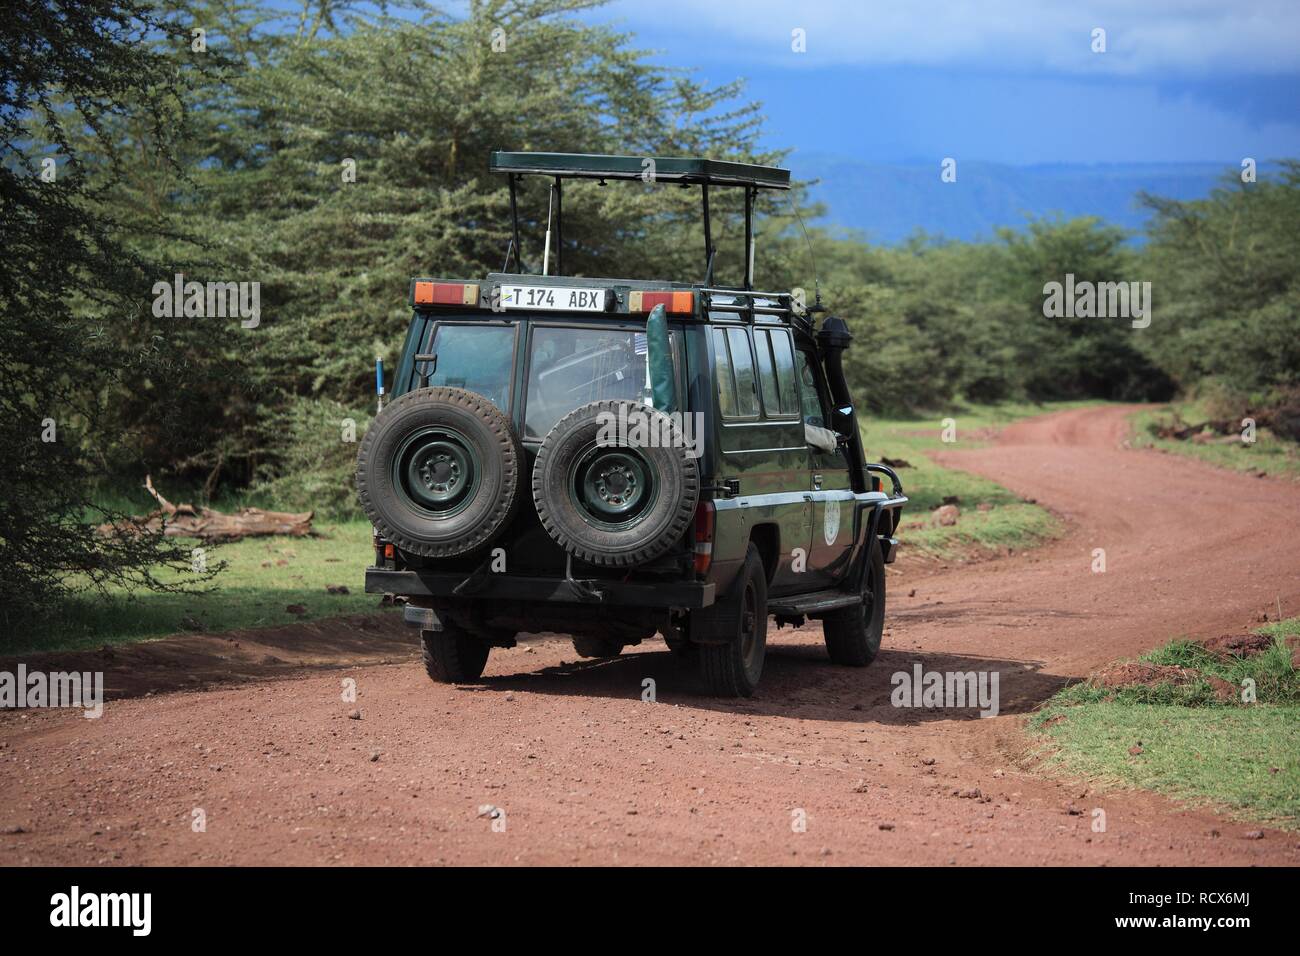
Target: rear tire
x,y
454,656
733,669
853,633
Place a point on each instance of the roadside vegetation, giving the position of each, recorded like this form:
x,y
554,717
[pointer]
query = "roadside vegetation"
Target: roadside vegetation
x,y
266,582
1271,453
990,519
1175,722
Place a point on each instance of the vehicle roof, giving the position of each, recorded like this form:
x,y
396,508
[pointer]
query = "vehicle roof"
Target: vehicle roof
x,y
691,170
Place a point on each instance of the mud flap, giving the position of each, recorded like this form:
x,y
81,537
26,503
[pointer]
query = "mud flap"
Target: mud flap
x,y
421,617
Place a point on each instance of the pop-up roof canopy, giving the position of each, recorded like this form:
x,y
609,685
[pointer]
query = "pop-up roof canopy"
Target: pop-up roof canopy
x,y
682,170
649,168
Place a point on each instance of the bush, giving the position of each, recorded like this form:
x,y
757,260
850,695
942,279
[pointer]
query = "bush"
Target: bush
x,y
312,443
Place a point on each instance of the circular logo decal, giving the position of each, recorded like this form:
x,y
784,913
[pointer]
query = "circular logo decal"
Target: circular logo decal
x,y
831,521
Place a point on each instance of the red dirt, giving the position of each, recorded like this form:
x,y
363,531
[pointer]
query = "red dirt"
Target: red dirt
x,y
587,772
1237,645
1137,673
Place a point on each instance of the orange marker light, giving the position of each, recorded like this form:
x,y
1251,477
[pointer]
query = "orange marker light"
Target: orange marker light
x,y
446,293
676,302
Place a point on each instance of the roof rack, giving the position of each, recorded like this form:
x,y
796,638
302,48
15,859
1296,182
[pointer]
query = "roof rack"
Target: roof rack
x,y
601,167
749,305
692,171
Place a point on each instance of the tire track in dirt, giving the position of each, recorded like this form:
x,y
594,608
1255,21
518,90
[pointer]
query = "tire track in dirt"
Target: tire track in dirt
x,y
586,772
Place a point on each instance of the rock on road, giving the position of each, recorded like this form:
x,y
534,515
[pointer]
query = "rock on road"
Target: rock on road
x,y
818,768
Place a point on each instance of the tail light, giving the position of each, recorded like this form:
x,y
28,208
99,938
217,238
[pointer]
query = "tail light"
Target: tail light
x,y
426,292
704,522
675,301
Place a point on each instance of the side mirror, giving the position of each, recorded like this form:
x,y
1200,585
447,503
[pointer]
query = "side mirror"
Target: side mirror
x,y
842,419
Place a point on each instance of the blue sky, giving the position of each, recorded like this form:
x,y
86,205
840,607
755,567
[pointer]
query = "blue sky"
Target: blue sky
x,y
998,81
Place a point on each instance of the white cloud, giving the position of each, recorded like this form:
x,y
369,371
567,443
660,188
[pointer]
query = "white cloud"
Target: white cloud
x,y
1142,36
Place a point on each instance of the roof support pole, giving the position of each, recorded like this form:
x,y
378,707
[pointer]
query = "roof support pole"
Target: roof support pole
x,y
749,238
559,228
708,229
514,221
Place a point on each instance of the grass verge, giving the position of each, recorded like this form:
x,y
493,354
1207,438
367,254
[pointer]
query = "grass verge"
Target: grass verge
x,y
1006,522
1269,453
1183,740
263,577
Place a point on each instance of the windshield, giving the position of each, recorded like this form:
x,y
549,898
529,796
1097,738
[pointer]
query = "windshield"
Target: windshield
x,y
569,367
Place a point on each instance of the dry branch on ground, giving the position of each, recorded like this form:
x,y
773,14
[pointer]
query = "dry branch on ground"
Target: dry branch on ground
x,y
187,521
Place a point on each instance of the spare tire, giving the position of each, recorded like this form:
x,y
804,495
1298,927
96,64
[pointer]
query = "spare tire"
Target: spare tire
x,y
438,472
616,496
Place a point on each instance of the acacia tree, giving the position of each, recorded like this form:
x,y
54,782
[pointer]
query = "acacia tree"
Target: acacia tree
x,y
348,152
1229,284
67,279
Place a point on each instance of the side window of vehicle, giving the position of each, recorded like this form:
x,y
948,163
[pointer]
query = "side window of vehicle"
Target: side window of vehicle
x,y
776,372
722,374
809,398
733,364
742,361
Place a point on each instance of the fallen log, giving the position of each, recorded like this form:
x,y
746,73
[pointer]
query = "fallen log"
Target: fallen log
x,y
187,521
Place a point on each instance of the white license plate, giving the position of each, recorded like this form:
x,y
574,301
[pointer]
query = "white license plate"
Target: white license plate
x,y
552,298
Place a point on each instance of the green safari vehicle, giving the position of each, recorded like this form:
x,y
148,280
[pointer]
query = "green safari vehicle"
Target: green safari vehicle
x,y
614,459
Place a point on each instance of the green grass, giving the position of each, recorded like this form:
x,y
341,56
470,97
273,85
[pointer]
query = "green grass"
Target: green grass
x,y
1242,757
1269,453
263,576
1010,522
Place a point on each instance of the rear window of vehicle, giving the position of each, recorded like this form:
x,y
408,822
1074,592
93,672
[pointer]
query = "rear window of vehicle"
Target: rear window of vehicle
x,y
569,367
476,357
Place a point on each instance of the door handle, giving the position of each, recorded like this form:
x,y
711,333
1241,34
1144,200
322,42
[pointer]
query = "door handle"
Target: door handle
x,y
817,482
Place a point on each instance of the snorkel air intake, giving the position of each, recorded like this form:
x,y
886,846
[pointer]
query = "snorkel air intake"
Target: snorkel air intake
x,y
832,339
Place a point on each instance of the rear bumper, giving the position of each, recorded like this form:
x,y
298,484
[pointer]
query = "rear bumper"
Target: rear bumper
x,y
682,594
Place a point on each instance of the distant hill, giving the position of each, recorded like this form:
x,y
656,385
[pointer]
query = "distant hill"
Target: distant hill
x,y
890,202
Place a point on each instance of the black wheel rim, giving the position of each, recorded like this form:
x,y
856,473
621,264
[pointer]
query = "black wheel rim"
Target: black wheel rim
x,y
436,471
612,487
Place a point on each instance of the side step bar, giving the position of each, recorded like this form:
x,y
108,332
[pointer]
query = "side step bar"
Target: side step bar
x,y
814,603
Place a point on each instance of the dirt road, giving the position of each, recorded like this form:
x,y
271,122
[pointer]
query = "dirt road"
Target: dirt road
x,y
586,772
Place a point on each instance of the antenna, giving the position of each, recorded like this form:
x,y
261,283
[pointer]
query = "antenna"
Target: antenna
x,y
812,258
